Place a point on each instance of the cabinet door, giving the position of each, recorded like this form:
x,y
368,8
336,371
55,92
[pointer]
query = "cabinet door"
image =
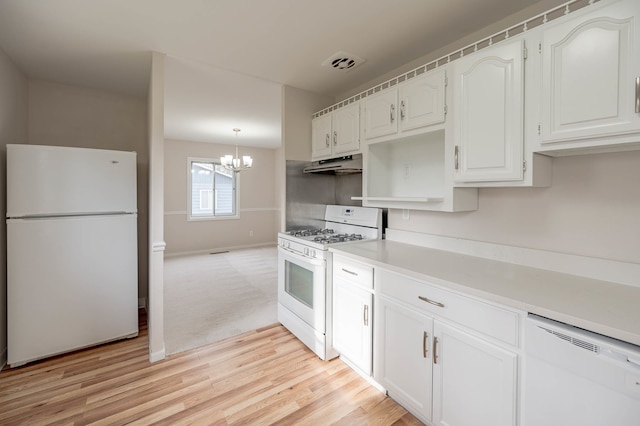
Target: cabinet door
x,y
474,381
352,324
403,356
380,114
346,129
489,106
422,101
590,66
321,136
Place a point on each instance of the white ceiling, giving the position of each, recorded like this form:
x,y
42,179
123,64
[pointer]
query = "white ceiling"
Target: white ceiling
x,y
226,60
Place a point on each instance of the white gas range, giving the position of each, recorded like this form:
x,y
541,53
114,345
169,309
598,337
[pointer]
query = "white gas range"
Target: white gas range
x,y
304,259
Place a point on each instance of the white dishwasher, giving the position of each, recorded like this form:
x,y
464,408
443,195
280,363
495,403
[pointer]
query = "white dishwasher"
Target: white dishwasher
x,y
576,377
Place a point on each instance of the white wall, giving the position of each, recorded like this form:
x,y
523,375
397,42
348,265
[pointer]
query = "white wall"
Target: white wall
x,y
259,211
591,209
298,106
535,9
65,115
13,129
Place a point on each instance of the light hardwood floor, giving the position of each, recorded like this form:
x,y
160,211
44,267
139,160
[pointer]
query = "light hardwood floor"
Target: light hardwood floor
x,y
261,377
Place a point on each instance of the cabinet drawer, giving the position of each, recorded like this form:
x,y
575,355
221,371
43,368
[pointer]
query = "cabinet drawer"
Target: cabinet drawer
x,y
352,271
490,320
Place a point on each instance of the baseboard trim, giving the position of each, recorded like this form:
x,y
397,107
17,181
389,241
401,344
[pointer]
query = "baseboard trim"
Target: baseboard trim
x,y
157,356
218,249
3,358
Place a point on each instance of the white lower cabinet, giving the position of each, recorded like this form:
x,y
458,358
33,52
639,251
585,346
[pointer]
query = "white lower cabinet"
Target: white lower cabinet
x,y
444,374
402,363
352,333
353,312
474,381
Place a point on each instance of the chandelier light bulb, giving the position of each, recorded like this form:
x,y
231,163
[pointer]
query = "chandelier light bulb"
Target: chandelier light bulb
x,y
236,164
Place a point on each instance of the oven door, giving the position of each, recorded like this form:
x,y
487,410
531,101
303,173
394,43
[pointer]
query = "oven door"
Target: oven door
x,y
301,287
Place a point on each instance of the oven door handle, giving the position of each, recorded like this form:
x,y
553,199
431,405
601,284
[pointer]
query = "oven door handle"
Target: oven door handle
x,y
300,257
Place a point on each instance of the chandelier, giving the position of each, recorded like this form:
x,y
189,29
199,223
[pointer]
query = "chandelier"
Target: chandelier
x,y
235,163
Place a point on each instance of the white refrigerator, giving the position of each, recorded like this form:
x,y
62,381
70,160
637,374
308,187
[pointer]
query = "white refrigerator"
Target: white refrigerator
x,y
72,270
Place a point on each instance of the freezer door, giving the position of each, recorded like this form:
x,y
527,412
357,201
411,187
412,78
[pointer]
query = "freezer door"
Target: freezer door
x,y
53,180
71,283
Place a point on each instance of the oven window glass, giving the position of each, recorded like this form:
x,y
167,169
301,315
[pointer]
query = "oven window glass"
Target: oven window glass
x,y
299,283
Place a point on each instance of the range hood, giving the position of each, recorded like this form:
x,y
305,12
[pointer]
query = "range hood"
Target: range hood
x,y
340,165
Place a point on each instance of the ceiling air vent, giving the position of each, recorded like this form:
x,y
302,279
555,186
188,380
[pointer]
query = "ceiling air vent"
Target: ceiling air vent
x,y
343,61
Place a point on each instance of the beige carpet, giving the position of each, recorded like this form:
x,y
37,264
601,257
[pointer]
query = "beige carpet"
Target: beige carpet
x,y
210,297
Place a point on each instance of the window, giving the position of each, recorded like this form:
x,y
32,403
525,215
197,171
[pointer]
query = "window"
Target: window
x,y
212,190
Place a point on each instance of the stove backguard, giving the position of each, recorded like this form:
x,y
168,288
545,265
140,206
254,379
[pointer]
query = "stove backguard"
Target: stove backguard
x,y
308,194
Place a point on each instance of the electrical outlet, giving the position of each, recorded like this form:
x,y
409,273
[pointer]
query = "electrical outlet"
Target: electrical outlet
x,y
405,214
251,233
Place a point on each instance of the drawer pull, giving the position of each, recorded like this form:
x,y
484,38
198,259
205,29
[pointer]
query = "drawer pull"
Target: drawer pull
x,y
433,302
435,354
366,315
637,95
349,272
425,351
456,153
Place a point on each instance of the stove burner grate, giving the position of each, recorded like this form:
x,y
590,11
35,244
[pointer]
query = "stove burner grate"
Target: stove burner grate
x,y
337,238
310,232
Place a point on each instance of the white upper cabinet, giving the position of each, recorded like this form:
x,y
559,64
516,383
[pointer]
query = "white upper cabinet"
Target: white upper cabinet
x,y
489,126
413,104
380,114
408,147
346,129
336,133
422,101
590,71
321,136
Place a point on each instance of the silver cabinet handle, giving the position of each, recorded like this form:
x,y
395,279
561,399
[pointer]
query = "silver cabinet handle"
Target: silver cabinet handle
x,y
392,112
366,315
455,156
402,107
425,351
327,139
335,137
435,354
433,302
637,95
349,272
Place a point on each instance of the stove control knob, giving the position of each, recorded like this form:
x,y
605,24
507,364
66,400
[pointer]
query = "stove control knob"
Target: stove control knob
x,y
312,253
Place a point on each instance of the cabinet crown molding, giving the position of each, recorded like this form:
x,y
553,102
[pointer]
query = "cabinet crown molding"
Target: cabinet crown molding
x,y
535,21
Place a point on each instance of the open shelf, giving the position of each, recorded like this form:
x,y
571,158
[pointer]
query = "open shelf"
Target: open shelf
x,y
407,199
409,169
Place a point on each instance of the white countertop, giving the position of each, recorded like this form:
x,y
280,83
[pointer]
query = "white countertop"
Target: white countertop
x,y
599,306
